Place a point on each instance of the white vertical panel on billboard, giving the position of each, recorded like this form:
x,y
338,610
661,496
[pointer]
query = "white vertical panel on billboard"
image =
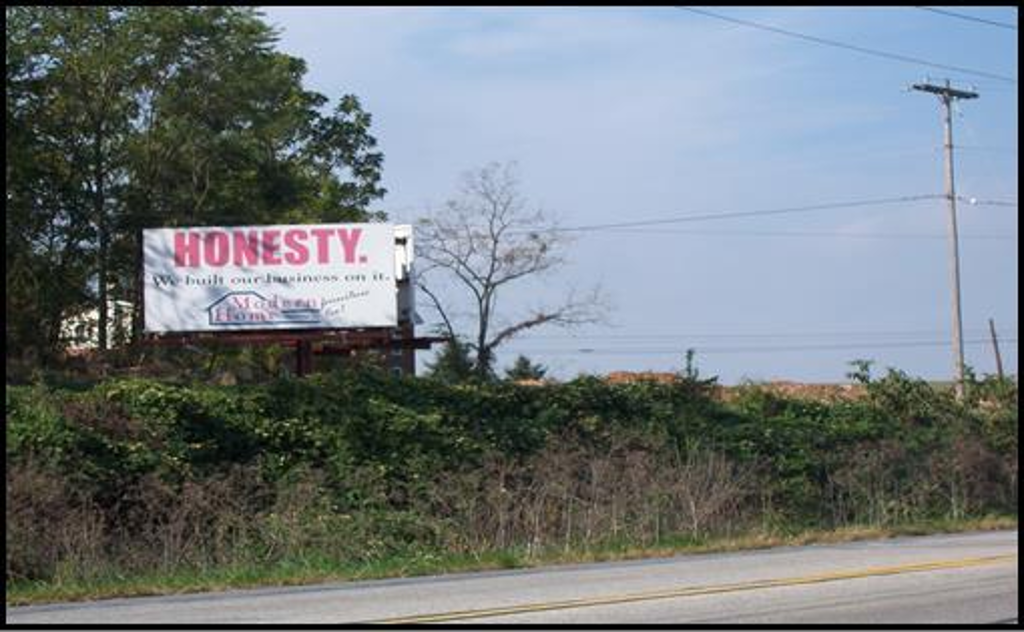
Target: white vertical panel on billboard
x,y
269,277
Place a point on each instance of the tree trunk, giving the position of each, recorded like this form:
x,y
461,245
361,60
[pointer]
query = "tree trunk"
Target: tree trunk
x,y
483,353
101,226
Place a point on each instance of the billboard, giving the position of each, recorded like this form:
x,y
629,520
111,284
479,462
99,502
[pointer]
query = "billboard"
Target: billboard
x,y
308,276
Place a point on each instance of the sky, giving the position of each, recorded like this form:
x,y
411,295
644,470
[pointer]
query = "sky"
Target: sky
x,y
626,114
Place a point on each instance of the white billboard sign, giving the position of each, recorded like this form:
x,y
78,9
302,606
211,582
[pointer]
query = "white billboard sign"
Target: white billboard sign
x,y
269,277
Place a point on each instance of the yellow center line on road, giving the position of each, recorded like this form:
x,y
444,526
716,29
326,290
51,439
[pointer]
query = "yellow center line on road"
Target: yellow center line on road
x,y
874,571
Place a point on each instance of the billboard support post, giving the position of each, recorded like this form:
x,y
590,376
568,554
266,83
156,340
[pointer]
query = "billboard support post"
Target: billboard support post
x,y
303,358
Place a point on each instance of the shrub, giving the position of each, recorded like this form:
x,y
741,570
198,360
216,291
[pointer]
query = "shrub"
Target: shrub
x,y
356,465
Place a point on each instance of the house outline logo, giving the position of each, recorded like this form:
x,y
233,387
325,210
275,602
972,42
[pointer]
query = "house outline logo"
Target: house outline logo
x,y
265,314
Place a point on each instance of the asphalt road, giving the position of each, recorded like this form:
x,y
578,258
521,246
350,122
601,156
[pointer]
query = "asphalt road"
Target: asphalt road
x,y
959,579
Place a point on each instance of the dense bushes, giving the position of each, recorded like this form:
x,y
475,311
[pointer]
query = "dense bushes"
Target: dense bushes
x,y
136,474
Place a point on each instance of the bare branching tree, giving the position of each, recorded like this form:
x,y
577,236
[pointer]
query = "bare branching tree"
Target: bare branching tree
x,y
485,240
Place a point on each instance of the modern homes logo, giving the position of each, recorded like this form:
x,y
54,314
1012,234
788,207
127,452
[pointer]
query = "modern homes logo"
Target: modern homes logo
x,y
253,309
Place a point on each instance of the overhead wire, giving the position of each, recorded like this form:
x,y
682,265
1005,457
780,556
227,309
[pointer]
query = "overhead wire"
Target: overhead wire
x,y
802,234
764,348
971,18
820,334
631,226
976,202
852,47
753,213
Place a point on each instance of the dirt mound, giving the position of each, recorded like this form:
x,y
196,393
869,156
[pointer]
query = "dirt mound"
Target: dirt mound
x,y
628,377
799,390
783,388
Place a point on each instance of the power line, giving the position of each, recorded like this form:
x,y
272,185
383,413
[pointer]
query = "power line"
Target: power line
x,y
774,211
964,16
771,348
691,336
754,213
799,234
976,202
859,49
726,215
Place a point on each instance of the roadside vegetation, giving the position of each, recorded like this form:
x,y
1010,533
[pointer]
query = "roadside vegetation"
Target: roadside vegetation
x,y
137,486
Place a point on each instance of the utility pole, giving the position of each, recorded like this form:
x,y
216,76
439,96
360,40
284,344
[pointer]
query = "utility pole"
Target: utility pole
x,y
947,95
995,347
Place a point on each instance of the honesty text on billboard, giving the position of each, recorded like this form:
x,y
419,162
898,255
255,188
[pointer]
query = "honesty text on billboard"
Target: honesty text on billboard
x,y
314,276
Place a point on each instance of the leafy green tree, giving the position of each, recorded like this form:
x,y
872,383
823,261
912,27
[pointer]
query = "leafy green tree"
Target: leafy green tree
x,y
860,371
62,165
453,364
524,369
120,119
691,373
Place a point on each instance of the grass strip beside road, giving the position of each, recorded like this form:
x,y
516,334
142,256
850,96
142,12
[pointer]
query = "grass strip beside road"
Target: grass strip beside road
x,y
320,570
